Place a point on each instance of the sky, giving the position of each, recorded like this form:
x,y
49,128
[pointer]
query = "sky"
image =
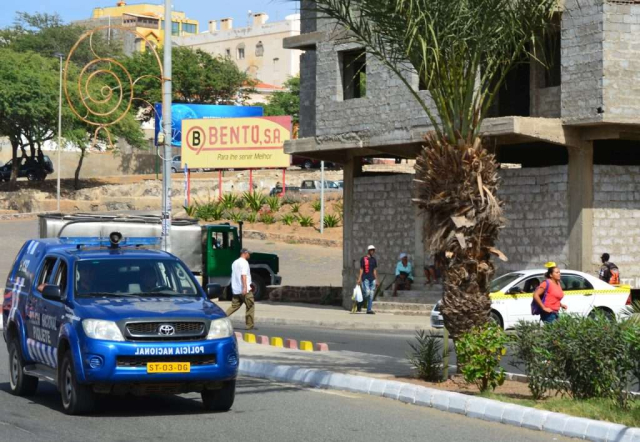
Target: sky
x,y
201,10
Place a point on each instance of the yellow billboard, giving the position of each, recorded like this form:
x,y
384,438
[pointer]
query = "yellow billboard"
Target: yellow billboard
x,y
236,143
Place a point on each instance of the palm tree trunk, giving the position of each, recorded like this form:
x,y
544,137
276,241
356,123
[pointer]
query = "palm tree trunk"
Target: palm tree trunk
x,y
76,178
456,187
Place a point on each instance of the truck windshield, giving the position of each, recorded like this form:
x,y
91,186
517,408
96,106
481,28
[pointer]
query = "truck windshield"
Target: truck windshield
x,y
132,278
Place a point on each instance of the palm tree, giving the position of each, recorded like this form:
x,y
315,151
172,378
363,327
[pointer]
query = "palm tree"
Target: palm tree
x,y
462,51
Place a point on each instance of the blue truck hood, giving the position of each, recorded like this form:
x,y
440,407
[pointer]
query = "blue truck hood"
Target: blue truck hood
x,y
116,309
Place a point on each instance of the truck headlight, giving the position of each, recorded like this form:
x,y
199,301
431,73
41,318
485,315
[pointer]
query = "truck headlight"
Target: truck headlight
x,y
220,328
99,329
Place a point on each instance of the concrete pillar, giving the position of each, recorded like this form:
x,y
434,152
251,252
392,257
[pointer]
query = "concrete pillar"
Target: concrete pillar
x,y
581,207
352,169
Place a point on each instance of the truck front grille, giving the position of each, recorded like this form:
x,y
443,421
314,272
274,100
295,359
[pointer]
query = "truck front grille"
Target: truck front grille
x,y
141,361
151,331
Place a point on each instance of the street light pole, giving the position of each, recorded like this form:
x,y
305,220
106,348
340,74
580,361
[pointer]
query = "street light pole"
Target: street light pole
x,y
59,133
166,120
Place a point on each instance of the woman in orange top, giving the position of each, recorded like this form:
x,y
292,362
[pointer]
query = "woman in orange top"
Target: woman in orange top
x,y
552,301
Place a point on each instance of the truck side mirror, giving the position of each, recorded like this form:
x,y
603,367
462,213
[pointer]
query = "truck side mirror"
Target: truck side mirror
x,y
52,293
214,291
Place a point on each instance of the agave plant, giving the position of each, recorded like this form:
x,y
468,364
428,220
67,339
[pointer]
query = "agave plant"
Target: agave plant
x,y
254,200
295,208
210,211
316,205
461,51
252,217
267,218
229,200
274,203
632,312
236,216
331,220
288,219
305,221
191,209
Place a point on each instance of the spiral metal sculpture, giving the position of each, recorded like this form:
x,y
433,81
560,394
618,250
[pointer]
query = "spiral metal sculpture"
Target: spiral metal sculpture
x,y
118,99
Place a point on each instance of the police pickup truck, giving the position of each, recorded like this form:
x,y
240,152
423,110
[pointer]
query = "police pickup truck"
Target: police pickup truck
x,y
107,316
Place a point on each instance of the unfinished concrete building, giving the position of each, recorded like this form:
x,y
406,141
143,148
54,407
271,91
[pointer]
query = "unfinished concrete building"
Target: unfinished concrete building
x,y
572,131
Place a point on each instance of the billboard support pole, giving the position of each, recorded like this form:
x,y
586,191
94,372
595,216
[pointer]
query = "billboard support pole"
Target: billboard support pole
x,y
284,182
321,197
187,185
220,185
166,118
250,180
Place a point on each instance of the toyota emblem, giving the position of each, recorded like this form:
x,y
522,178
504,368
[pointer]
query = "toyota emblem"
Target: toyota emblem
x,y
166,330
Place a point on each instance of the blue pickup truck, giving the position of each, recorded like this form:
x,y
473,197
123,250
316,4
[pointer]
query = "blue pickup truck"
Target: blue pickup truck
x,y
107,316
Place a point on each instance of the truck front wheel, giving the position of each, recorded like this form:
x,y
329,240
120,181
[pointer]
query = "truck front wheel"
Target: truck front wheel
x,y
76,398
220,400
260,287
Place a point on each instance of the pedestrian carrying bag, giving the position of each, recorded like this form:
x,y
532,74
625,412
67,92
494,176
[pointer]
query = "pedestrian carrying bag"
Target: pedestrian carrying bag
x,y
535,308
357,294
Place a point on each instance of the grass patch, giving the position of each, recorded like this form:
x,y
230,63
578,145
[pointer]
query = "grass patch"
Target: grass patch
x,y
598,409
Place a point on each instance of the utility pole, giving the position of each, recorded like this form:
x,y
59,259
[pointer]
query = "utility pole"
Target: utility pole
x,y
59,133
166,122
322,197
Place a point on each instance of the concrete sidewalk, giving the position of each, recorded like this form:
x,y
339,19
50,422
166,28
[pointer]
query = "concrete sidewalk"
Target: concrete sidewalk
x,y
282,313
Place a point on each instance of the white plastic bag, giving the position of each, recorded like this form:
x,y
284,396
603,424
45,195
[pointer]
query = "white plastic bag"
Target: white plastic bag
x,y
357,294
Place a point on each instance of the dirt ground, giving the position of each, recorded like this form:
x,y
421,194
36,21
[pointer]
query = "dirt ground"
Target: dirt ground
x,y
457,384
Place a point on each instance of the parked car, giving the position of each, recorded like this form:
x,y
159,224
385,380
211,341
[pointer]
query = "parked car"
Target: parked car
x,y
97,316
340,184
176,165
310,163
512,294
314,186
30,169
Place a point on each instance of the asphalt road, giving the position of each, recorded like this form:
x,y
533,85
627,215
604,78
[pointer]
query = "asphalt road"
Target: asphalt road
x,y
263,411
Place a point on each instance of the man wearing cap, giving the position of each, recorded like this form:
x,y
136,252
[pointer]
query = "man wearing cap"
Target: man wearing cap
x,y
368,276
241,288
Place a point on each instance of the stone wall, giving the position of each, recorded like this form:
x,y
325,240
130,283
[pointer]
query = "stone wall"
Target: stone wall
x,y
621,62
537,210
307,295
385,217
616,219
582,60
308,94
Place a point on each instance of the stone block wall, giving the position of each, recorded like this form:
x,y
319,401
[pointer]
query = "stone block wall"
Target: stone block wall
x,y
616,219
621,62
537,212
307,295
308,94
385,217
582,60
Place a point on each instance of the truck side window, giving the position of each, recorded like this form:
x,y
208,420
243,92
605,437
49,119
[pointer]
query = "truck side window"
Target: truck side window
x,y
47,269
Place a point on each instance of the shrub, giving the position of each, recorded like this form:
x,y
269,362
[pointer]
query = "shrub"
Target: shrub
x,y
584,357
274,203
295,208
191,210
252,217
426,356
331,221
236,216
479,353
254,200
338,207
316,205
532,357
229,201
305,221
267,218
210,211
288,219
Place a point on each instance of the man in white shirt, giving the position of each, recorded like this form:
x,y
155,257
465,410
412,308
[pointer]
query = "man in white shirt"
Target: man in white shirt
x,y
241,288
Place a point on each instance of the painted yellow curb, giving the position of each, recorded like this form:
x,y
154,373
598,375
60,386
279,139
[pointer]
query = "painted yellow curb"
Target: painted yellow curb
x,y
250,338
277,342
306,345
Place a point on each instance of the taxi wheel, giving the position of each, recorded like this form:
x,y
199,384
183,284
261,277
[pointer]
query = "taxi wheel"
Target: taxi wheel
x,y
76,398
19,383
220,400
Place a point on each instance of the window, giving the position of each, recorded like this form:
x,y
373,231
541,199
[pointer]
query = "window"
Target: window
x,y
575,282
188,28
553,64
528,285
175,28
47,271
220,240
259,49
61,278
240,51
353,66
503,281
227,52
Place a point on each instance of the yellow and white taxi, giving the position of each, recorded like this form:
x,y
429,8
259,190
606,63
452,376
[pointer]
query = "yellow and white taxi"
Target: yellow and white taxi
x,y
512,293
